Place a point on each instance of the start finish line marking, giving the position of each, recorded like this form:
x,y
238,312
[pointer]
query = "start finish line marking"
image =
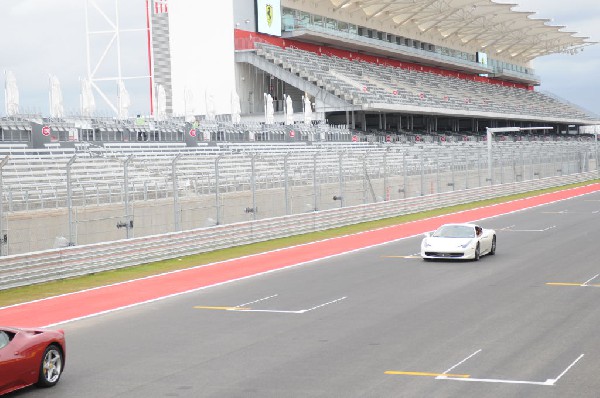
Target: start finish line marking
x,y
244,308
465,377
511,228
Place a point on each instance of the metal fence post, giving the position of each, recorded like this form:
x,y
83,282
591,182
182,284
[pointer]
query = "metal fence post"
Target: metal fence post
x,y
386,195
452,167
286,183
596,146
341,178
514,163
542,166
404,174
532,167
501,160
253,184
522,165
467,158
437,171
176,206
490,156
422,171
72,236
128,220
217,204
367,184
315,204
3,236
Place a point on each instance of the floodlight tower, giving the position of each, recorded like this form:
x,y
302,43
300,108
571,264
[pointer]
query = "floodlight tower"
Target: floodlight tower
x,y
104,62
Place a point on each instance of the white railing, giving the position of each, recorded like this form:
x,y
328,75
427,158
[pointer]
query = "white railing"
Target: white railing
x,y
44,266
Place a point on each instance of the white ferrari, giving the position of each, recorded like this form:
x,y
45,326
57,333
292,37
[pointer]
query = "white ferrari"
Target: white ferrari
x,y
458,242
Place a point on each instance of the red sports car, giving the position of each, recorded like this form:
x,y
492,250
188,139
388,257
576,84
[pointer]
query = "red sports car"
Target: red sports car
x,y
30,356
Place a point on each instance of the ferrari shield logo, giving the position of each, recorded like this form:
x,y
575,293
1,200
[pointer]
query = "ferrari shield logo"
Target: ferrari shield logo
x,y
269,15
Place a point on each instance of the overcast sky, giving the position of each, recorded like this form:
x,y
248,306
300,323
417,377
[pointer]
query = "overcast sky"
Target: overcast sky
x,y
41,37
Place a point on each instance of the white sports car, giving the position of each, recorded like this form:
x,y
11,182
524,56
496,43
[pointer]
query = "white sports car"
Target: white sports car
x,y
458,242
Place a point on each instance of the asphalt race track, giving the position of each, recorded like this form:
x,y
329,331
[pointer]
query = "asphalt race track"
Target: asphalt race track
x,y
378,322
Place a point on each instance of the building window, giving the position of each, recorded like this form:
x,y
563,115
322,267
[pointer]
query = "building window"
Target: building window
x,y
303,19
331,24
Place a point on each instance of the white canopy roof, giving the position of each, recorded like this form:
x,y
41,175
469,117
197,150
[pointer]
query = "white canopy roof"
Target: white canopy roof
x,y
494,28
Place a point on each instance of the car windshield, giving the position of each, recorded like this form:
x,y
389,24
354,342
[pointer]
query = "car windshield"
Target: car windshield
x,y
455,231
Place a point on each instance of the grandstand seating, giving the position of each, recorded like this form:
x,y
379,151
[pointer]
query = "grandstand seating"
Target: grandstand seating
x,y
36,179
362,82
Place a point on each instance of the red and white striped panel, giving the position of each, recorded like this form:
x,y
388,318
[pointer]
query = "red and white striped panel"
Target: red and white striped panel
x,y
161,7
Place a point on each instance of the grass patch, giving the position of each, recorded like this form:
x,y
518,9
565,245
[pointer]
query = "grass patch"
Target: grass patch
x,y
49,289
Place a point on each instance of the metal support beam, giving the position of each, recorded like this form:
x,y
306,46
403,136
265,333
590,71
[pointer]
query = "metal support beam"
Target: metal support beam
x,y
176,205
3,243
72,236
331,101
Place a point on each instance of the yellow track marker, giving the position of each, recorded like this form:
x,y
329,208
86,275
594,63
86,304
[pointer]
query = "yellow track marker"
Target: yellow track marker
x,y
221,308
394,372
563,284
571,284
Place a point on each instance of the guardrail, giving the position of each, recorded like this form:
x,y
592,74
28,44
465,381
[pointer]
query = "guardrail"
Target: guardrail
x,y
44,266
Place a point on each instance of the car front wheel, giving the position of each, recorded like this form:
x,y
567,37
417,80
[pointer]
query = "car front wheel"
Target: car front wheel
x,y
51,366
493,248
477,253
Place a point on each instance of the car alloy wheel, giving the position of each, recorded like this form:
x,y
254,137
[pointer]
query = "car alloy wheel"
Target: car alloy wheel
x,y
51,366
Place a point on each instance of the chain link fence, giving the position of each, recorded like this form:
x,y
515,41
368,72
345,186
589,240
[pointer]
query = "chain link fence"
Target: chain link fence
x,y
64,198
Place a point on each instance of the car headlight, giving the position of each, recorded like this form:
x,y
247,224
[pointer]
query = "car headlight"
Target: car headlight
x,y
425,243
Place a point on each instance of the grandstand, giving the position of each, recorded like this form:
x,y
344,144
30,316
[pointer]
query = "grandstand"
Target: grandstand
x,y
410,66
389,88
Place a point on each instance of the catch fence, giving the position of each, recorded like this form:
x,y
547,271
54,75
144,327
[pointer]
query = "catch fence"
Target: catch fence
x,y
73,198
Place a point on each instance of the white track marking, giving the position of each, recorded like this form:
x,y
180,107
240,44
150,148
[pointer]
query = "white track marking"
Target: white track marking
x,y
589,280
548,382
528,230
323,305
506,228
290,312
272,311
459,363
256,301
568,368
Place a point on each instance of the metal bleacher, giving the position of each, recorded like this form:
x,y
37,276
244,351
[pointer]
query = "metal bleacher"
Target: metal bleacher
x,y
37,179
362,82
